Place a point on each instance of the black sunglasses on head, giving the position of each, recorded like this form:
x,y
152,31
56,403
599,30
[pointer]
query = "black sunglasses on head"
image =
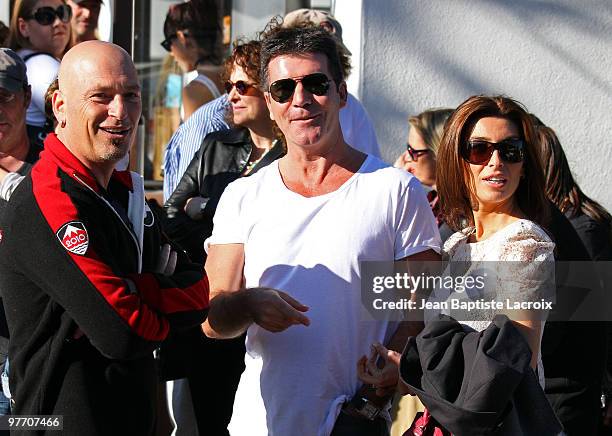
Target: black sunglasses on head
x,y
479,151
282,90
167,43
45,16
242,87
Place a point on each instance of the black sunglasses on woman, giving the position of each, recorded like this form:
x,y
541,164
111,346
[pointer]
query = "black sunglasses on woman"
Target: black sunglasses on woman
x,y
46,15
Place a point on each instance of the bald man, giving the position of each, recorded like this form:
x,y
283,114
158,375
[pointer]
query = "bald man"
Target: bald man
x,y
90,286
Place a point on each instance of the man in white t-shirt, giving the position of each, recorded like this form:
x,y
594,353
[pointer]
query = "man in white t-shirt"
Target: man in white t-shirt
x,y
303,224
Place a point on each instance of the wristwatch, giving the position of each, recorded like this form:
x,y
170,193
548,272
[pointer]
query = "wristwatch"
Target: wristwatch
x,y
203,205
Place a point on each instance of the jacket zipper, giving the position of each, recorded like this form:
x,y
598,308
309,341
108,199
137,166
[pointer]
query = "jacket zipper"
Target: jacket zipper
x,y
138,249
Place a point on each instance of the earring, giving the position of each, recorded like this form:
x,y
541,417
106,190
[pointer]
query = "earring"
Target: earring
x,y
63,124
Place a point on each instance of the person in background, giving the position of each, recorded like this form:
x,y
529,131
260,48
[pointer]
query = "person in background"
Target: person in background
x,y
355,122
85,14
16,159
186,141
192,36
574,381
4,32
224,156
40,34
419,158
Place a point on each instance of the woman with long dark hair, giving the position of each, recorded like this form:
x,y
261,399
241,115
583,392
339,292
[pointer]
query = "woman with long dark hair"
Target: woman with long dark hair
x,y
491,187
193,37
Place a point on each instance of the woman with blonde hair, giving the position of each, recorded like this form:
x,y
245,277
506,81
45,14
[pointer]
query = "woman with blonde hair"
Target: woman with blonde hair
x,y
40,34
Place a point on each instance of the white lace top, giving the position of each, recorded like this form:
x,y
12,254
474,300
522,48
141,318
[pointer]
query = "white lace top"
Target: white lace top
x,y
523,275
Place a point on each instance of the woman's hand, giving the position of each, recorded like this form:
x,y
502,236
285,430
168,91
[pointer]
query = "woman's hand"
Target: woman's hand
x,y
381,369
193,207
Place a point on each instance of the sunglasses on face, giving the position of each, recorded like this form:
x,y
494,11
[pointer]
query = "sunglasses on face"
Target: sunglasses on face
x,y
46,15
282,90
242,87
167,43
479,151
414,153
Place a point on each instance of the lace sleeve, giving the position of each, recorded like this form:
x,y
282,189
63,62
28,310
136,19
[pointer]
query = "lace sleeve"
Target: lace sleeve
x,y
526,267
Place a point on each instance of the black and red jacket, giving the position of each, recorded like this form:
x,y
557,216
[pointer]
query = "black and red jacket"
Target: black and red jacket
x,y
75,257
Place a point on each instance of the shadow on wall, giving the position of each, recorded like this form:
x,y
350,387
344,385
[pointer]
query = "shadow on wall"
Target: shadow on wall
x,y
427,47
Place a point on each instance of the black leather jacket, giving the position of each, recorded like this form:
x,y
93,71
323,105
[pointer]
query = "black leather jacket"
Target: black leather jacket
x,y
221,159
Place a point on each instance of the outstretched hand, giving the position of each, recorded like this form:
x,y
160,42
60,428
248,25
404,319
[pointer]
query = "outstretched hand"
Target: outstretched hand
x,y
381,369
275,310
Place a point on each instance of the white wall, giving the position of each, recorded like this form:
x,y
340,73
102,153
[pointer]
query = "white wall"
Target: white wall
x,y
250,17
555,56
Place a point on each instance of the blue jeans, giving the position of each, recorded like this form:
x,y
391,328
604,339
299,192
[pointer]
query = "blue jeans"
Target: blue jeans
x,y
5,403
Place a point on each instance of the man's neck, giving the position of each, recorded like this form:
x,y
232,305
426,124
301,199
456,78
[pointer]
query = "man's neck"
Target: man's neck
x,y
312,173
12,159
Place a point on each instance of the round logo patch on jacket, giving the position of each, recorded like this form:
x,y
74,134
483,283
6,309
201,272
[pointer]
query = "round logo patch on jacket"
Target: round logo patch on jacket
x,y
74,237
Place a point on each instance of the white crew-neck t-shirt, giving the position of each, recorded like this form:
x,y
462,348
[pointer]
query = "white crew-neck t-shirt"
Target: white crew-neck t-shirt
x,y
296,381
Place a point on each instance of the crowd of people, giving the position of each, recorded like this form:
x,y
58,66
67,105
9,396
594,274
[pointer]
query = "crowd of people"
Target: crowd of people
x,y
236,308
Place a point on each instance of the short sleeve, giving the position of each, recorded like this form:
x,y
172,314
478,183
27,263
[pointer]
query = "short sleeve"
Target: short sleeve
x,y
416,228
528,271
227,228
42,71
357,127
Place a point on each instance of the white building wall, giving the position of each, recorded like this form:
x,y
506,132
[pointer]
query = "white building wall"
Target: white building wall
x,y
554,56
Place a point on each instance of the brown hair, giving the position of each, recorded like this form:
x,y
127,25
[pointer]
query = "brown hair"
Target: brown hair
x,y
454,183
247,55
430,126
23,9
561,188
279,41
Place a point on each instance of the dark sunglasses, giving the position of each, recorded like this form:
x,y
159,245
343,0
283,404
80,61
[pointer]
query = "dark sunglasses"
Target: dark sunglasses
x,y
167,43
414,153
479,151
46,15
242,87
282,90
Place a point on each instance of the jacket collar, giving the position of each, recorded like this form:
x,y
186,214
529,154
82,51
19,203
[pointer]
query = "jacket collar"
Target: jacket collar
x,y
56,151
236,136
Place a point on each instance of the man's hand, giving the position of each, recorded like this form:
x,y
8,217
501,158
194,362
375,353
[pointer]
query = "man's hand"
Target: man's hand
x,y
166,261
383,377
275,310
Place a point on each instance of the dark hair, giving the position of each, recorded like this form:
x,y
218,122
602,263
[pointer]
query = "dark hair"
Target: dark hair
x,y
454,184
49,115
278,41
200,20
246,54
561,188
4,32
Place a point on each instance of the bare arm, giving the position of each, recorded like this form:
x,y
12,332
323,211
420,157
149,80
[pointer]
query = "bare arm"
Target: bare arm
x,y
195,95
233,310
385,377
